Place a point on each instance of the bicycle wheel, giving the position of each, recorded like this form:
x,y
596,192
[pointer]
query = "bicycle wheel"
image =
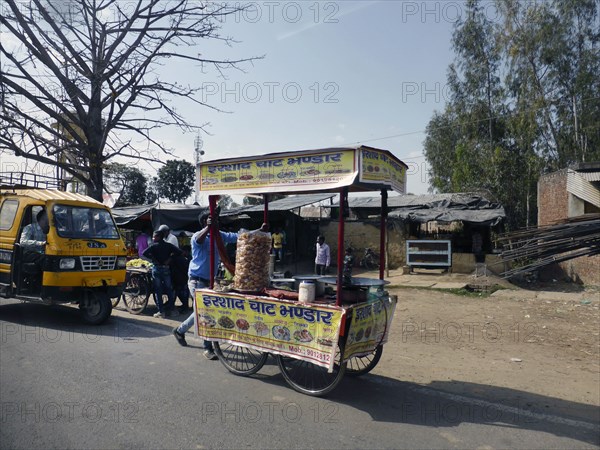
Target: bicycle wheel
x,y
115,301
240,360
136,294
361,365
310,379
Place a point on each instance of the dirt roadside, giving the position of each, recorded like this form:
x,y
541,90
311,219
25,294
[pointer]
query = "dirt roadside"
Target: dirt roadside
x,y
530,348
537,349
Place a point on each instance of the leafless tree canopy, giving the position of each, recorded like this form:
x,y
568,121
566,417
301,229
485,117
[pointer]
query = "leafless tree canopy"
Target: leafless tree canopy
x,y
79,82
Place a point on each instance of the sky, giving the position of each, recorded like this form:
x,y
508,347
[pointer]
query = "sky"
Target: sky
x,y
332,73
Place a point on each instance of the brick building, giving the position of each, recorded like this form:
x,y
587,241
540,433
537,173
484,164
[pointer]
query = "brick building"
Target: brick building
x,y
571,193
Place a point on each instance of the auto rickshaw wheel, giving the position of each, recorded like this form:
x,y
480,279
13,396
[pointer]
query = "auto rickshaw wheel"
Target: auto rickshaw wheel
x,y
95,308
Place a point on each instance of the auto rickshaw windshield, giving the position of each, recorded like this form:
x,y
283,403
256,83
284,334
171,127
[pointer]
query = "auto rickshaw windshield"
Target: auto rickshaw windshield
x,y
84,223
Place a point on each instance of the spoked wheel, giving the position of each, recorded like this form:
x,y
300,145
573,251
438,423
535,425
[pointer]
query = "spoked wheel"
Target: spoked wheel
x,y
136,294
309,378
115,301
361,365
240,360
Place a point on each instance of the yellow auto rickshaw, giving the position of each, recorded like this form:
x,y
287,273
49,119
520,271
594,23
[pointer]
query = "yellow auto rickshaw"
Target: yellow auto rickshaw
x,y
60,247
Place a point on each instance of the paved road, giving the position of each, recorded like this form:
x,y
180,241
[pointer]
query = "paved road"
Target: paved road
x,y
127,384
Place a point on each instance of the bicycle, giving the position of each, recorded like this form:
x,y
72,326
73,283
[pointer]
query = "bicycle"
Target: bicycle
x,y
138,287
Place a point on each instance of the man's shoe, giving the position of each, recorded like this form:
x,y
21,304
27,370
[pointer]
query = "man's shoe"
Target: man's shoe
x,y
180,337
158,315
209,354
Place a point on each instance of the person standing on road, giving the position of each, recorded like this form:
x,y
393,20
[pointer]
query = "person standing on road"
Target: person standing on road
x,y
143,241
161,253
323,258
199,274
168,236
277,244
179,276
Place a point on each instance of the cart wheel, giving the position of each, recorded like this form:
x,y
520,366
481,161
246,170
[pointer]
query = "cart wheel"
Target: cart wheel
x,y
240,360
309,378
364,364
136,294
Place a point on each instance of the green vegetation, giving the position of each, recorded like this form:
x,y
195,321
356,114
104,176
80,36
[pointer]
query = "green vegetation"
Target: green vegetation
x,y
524,99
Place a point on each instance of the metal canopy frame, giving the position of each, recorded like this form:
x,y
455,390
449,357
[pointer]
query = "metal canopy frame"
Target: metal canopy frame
x,y
372,170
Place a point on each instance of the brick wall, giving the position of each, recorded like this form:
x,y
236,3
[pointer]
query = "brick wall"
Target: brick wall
x,y
553,204
585,269
553,198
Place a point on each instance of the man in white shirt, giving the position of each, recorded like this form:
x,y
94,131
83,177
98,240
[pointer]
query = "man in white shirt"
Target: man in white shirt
x,y
168,236
323,258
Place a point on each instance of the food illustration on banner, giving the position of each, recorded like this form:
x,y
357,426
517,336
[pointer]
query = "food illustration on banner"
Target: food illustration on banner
x,y
325,342
226,322
310,171
286,174
281,333
266,176
206,320
242,324
303,336
260,328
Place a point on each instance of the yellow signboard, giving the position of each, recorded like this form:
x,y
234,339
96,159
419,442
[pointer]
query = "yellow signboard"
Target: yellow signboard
x,y
369,327
294,171
377,167
281,327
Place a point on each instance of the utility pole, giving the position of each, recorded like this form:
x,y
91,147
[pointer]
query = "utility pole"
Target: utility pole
x,y
198,144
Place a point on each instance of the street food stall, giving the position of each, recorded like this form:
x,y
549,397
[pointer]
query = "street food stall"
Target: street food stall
x,y
316,339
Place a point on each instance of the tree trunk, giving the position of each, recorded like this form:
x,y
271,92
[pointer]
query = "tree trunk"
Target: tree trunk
x,y
95,132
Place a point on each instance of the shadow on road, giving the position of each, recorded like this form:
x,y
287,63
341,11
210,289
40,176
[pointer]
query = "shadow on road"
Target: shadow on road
x,y
26,318
439,405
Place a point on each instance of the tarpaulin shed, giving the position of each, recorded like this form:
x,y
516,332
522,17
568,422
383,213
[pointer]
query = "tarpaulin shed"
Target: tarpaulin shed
x,y
174,215
465,207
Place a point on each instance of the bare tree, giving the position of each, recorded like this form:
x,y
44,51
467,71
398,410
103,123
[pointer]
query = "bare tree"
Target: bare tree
x,y
80,82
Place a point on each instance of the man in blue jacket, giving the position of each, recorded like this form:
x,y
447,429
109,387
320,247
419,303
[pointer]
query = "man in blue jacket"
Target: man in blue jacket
x,y
199,274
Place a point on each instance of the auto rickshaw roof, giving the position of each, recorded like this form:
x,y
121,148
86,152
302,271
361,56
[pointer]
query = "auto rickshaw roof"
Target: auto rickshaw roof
x,y
359,168
49,195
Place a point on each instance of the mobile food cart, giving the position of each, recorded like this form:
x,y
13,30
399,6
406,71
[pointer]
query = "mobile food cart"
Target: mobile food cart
x,y
315,343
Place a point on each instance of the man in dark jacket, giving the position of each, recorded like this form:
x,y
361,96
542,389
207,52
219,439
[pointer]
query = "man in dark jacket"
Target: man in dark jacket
x,y
161,254
179,276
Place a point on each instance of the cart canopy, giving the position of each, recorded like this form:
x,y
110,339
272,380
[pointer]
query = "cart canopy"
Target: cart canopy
x,y
359,168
